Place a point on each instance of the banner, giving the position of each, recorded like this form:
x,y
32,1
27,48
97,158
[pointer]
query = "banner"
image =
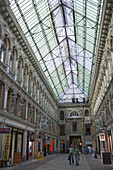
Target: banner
x,y
17,159
48,141
51,146
6,151
102,136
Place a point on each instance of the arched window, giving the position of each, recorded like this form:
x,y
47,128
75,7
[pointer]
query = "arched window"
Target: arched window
x,y
30,78
86,112
62,115
37,90
5,50
34,86
19,67
40,93
74,114
25,76
19,70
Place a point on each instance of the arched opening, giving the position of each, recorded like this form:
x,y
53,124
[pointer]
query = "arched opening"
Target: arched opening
x,y
86,112
62,115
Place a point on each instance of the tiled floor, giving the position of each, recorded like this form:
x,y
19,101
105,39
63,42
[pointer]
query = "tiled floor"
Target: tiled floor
x,y
60,162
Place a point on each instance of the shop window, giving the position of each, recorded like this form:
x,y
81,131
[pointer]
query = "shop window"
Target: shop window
x,y
86,112
19,143
62,115
74,126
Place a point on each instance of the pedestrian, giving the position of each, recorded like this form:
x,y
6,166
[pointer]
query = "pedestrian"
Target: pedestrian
x,y
30,150
71,160
93,152
77,155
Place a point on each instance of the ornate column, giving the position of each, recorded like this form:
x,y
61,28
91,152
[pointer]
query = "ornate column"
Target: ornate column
x,y
13,102
13,146
35,91
24,153
38,94
22,76
35,115
35,144
20,105
15,68
26,110
6,88
27,80
31,90
1,43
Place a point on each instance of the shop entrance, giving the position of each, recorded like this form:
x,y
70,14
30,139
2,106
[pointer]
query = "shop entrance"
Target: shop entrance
x,y
62,146
18,146
31,145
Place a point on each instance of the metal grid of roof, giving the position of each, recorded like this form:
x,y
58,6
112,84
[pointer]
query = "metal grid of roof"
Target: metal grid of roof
x,y
63,35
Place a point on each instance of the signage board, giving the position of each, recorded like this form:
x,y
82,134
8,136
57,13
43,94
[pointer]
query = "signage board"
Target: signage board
x,y
5,130
48,141
102,136
106,157
40,156
17,159
85,149
6,150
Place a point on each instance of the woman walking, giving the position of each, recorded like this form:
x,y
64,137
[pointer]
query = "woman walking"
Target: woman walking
x,y
71,155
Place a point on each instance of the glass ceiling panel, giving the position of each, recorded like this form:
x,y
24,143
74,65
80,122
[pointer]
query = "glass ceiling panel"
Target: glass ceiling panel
x,y
63,35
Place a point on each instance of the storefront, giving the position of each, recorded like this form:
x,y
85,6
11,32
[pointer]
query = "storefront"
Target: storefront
x,y
62,146
30,145
16,145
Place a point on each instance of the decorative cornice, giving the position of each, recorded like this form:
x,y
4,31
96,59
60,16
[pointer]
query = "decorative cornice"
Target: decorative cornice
x,y
104,26
71,105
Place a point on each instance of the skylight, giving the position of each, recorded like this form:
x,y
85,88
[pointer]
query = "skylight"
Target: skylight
x,y
63,35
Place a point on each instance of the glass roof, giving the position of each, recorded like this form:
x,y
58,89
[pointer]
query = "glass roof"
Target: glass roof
x,y
63,35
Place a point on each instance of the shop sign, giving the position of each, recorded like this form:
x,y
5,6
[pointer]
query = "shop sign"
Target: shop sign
x,y
106,157
48,141
6,147
85,149
5,130
32,137
40,156
17,159
102,136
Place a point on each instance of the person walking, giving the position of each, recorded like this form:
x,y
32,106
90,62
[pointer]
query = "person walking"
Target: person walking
x,y
93,152
77,155
71,155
